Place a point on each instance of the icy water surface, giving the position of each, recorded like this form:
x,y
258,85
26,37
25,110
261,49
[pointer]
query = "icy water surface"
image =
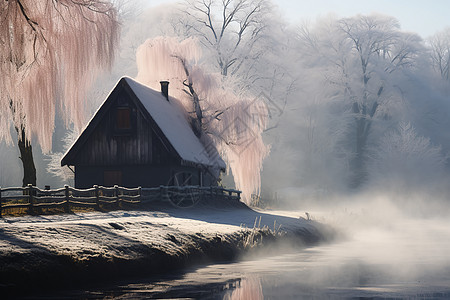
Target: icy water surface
x,y
408,258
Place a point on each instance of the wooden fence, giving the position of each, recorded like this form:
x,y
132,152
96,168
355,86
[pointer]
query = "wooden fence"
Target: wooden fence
x,y
35,199
186,196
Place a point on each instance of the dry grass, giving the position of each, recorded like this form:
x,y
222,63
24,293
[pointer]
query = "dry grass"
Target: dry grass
x,y
19,212
257,233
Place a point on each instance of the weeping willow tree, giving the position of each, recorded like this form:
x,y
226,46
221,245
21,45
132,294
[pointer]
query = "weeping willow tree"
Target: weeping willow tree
x,y
50,52
232,122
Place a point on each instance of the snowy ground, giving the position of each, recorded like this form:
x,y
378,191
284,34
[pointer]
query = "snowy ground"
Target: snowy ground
x,y
78,248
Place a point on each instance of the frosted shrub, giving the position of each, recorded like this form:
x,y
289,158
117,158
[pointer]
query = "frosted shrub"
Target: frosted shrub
x,y
404,157
54,159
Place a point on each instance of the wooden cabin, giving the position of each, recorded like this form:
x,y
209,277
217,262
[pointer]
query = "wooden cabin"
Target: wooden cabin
x,y
141,137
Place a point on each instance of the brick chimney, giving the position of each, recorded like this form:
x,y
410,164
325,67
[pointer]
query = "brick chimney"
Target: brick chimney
x,y
165,89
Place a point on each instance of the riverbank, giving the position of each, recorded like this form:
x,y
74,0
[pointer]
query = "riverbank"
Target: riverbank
x,y
63,251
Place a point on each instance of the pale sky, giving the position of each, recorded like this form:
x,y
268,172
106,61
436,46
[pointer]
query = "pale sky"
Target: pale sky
x,y
420,16
424,17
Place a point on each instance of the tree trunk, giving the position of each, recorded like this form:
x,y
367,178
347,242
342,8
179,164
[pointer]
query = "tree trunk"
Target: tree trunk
x,y
26,156
196,122
363,123
361,141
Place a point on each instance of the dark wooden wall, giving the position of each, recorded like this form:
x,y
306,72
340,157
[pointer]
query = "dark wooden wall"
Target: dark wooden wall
x,y
134,176
109,145
139,154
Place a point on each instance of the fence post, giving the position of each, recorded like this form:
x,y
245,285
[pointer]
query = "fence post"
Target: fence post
x,y
163,192
116,193
97,198
31,198
67,197
140,194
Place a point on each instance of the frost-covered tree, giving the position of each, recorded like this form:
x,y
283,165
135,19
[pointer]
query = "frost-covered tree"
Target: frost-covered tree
x,y
440,53
244,41
50,52
405,157
233,123
360,57
230,28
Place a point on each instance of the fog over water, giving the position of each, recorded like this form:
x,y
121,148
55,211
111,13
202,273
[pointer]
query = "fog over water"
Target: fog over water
x,y
381,251
385,250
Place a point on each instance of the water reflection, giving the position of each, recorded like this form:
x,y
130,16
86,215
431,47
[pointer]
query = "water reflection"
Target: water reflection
x,y
247,289
311,273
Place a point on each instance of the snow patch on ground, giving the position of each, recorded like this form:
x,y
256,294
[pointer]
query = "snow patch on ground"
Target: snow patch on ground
x,y
132,241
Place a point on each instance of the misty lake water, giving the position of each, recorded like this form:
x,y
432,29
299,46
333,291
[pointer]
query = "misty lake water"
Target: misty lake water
x,y
378,258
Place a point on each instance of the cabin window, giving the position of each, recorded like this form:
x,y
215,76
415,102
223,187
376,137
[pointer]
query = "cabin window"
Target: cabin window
x,y
123,120
112,177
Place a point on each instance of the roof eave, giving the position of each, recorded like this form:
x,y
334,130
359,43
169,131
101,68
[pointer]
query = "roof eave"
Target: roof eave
x,y
189,163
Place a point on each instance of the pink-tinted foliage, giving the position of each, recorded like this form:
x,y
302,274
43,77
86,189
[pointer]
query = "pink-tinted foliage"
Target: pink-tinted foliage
x,y
50,51
233,123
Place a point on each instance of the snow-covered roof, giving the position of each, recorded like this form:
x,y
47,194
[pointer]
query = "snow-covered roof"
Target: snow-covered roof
x,y
173,123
